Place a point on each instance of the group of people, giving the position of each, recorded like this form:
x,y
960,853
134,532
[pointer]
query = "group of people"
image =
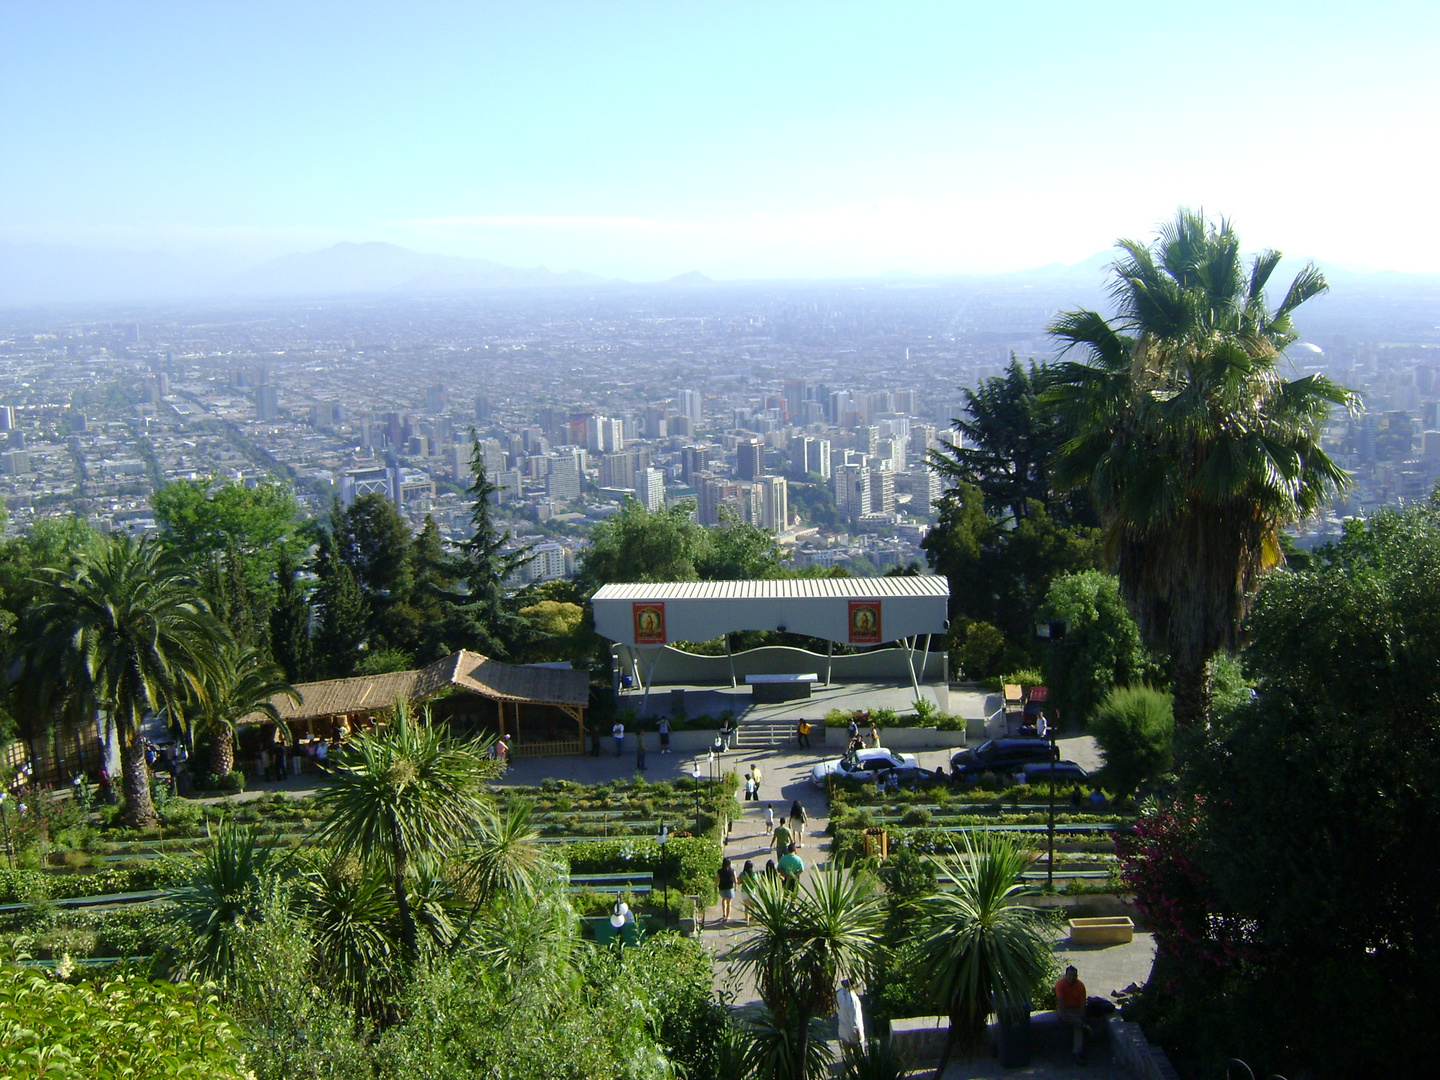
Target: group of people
x,y
857,741
279,760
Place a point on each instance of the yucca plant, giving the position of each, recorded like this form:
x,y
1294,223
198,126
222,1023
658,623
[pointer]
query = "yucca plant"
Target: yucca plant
x,y
803,941
984,947
224,889
403,791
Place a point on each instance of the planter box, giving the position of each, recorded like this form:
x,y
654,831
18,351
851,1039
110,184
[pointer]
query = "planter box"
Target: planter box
x,y
915,738
921,1039
1110,930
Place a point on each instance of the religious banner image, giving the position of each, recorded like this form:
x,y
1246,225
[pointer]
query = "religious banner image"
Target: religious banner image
x,y
865,622
649,624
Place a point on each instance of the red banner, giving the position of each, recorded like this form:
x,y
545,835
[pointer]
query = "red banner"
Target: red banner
x,y
649,623
865,622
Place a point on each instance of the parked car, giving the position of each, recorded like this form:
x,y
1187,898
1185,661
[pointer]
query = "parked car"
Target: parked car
x,y
1060,772
915,777
1001,756
861,765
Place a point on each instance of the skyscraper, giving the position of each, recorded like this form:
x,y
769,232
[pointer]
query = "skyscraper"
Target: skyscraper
x,y
650,489
434,399
267,405
565,477
690,404
774,503
749,459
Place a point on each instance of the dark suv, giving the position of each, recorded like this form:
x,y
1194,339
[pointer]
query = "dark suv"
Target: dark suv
x,y
1001,756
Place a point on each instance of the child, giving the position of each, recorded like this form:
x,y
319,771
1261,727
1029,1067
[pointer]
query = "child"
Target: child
x,y
749,788
769,817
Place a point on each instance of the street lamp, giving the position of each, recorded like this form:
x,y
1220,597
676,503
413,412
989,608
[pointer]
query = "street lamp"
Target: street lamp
x,y
617,923
5,817
662,840
696,775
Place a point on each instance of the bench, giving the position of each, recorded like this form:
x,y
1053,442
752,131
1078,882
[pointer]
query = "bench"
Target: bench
x,y
773,689
641,884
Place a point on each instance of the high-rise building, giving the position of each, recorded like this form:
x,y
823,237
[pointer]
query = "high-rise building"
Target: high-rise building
x,y
693,459
7,417
620,470
483,408
795,392
852,491
650,489
656,417
774,503
563,483
714,495
924,491
882,491
434,400
604,435
690,405
267,405
749,459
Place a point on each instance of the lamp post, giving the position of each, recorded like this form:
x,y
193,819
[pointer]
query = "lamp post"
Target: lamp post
x,y
1051,631
696,775
662,839
617,923
5,817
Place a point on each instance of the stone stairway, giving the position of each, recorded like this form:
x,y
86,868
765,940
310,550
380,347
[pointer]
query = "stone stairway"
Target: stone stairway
x,y
766,734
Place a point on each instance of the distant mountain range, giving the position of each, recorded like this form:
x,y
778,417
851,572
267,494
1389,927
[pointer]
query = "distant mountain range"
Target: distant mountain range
x,y
55,274
45,273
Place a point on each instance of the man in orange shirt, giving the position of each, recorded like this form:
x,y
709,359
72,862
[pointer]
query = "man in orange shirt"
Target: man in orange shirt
x,y
1070,1007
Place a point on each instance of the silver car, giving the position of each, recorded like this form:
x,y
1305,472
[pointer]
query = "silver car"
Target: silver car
x,y
861,765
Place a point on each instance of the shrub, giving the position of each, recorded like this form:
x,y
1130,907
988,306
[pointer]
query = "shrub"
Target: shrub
x,y
980,650
946,722
1135,728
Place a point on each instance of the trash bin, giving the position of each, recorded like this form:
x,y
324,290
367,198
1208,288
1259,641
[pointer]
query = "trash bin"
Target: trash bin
x,y
1012,1032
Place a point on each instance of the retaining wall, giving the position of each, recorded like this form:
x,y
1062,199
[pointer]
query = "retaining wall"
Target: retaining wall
x,y
677,667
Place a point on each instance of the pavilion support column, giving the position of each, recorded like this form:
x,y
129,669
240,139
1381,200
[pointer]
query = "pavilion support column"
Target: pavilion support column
x,y
829,660
909,644
730,659
650,680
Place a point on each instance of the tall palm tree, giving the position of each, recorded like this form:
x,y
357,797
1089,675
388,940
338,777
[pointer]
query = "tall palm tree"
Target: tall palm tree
x,y
404,791
241,682
982,946
1195,449
804,941
127,619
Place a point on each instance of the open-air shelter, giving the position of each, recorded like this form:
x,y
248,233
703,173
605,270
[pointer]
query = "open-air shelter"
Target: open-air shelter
x,y
542,709
644,617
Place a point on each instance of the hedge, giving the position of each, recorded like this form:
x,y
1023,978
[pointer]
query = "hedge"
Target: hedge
x,y
690,863
23,886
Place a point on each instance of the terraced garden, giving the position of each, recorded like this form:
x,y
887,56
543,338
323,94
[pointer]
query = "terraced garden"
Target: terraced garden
x,y
936,820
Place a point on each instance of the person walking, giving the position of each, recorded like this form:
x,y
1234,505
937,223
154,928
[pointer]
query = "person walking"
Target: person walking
x,y
798,820
802,734
850,1015
726,731
749,788
854,730
791,866
755,775
726,881
640,751
664,729
874,734
769,818
502,751
618,734
781,839
746,884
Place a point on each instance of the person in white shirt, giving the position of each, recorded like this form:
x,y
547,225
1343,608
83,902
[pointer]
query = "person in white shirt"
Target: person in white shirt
x,y
618,732
663,727
850,1015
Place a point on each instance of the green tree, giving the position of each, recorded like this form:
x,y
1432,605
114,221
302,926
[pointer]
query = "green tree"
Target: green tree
x,y
805,940
344,614
1194,449
290,623
983,949
260,524
740,551
127,619
1101,648
1010,439
637,545
1135,727
240,682
1298,894
404,791
372,539
489,563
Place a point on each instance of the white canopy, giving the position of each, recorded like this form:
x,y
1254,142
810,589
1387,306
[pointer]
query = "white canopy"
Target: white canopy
x,y
852,611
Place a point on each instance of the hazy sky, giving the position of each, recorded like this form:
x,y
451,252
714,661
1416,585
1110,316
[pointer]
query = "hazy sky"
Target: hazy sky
x,y
769,139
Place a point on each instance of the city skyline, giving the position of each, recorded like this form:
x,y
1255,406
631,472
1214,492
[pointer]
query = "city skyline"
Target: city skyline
x,y
781,141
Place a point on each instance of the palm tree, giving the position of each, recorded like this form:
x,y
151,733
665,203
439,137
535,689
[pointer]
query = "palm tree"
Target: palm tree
x,y
504,858
805,940
1196,452
225,886
127,619
242,681
406,790
983,947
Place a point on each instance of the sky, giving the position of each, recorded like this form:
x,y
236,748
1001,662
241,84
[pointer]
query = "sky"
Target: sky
x,y
764,140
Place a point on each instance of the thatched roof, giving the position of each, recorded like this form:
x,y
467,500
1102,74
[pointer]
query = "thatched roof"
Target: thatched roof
x,y
462,670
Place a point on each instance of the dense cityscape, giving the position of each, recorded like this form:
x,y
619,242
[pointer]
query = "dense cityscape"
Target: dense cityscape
x,y
808,411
